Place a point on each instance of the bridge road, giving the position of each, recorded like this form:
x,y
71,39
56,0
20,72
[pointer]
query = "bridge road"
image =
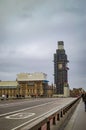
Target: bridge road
x,y
15,105
17,114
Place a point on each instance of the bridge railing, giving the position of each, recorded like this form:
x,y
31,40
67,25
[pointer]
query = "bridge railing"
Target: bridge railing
x,y
54,118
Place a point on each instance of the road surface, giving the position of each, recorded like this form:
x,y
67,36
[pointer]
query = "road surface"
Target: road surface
x,y
17,113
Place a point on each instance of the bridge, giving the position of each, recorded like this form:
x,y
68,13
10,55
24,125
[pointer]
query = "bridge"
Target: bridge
x,y
42,114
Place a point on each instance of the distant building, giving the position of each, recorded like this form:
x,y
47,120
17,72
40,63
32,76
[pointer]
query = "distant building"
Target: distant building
x,y
32,84
26,84
76,92
61,70
8,88
50,90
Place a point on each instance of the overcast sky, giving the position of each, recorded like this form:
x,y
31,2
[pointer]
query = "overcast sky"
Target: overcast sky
x,y
29,32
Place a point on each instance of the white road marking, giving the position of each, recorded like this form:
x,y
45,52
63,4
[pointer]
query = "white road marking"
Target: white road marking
x,y
24,109
22,115
34,119
16,103
44,114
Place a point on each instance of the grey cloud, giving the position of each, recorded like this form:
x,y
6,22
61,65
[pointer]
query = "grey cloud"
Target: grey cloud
x,y
33,27
29,31
24,65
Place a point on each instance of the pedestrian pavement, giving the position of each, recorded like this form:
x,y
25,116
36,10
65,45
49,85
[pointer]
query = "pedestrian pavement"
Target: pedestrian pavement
x,y
78,119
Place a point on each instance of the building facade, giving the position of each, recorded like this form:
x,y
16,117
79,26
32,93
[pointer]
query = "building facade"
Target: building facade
x,y
9,88
26,84
32,84
61,70
75,92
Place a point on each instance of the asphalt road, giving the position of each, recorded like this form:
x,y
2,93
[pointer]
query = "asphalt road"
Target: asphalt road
x,y
17,113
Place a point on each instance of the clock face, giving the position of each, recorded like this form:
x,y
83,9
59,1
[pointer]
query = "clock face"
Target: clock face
x,y
60,66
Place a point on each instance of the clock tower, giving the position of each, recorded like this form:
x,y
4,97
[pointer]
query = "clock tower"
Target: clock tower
x,y
61,70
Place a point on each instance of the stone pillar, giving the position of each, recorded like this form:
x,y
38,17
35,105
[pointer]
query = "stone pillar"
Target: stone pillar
x,y
48,125
26,91
54,120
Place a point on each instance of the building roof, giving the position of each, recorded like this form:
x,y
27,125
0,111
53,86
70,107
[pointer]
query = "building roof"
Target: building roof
x,y
32,76
8,84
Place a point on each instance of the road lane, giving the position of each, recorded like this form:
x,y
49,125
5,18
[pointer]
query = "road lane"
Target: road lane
x,y
15,106
16,121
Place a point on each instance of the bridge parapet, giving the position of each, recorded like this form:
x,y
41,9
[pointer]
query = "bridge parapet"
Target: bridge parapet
x,y
53,119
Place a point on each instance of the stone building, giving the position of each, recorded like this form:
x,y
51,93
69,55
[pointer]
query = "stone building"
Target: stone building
x,y
32,84
50,90
8,88
75,92
26,84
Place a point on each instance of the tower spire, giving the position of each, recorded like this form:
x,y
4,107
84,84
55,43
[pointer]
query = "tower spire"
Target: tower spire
x,y
60,45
